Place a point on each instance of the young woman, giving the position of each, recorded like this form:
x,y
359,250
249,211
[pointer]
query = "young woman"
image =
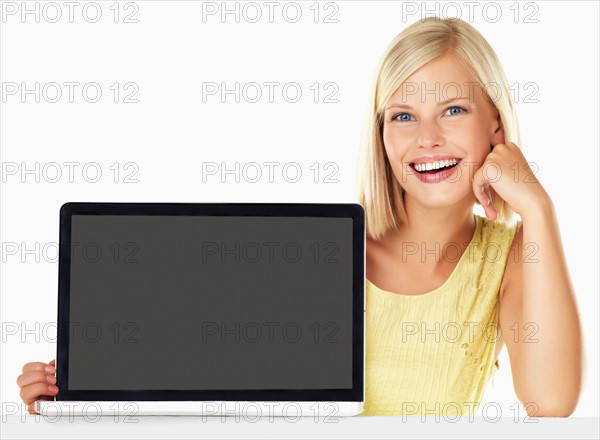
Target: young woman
x,y
446,288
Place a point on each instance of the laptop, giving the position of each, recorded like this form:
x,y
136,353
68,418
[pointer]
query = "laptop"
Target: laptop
x,y
210,309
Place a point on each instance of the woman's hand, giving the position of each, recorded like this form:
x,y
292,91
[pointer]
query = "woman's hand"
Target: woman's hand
x,y
506,172
38,382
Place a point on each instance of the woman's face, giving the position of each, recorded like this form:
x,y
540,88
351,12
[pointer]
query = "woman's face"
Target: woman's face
x,y
419,124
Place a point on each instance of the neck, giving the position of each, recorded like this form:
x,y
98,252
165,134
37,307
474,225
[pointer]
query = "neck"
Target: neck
x,y
428,231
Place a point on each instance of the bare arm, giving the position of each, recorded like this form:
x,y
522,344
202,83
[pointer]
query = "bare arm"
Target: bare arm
x,y
539,319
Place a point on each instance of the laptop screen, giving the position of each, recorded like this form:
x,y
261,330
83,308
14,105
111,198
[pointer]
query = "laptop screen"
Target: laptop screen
x,y
177,302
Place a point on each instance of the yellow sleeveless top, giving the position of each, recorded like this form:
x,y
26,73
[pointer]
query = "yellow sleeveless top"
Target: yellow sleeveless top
x,y
433,354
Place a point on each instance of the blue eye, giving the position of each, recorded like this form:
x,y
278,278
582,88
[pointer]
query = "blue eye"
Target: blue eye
x,y
401,114
457,107
402,117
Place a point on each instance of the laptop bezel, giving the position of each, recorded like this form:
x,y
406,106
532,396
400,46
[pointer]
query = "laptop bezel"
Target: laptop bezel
x,y
344,210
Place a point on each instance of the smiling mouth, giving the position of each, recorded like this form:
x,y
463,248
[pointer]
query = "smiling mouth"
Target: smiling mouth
x,y
440,167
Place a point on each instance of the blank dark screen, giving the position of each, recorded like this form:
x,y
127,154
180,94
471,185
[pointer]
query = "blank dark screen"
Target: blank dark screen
x,y
210,303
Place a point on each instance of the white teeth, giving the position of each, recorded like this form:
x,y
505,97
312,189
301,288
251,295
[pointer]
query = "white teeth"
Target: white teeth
x,y
435,165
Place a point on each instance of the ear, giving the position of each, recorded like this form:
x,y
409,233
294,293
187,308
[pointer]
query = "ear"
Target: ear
x,y
498,137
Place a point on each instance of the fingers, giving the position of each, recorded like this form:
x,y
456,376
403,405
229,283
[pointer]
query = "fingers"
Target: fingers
x,y
35,391
479,187
37,366
38,382
32,377
490,209
483,193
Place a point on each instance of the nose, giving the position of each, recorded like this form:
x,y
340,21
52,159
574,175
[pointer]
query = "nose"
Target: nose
x,y
429,134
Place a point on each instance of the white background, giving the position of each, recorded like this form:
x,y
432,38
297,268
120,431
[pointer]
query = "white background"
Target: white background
x,y
170,132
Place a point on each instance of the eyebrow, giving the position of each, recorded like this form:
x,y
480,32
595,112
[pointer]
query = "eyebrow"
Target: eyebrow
x,y
398,105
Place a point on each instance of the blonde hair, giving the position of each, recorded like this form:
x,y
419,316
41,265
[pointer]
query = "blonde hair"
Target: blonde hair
x,y
379,192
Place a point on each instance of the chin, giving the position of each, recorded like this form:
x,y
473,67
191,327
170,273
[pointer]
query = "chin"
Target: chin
x,y
443,199
439,201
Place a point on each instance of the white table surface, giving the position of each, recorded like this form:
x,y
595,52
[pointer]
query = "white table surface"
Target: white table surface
x,y
188,427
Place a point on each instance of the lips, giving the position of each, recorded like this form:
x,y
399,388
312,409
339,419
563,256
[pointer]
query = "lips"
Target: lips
x,y
435,176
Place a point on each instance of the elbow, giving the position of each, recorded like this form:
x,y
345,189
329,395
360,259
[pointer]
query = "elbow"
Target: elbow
x,y
550,401
550,409
550,405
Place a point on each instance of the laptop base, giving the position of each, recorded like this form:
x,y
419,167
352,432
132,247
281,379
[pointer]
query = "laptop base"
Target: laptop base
x,y
291,410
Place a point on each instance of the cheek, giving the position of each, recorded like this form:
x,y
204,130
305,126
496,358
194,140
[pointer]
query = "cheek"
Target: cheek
x,y
475,133
474,141
387,142
392,144
466,132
